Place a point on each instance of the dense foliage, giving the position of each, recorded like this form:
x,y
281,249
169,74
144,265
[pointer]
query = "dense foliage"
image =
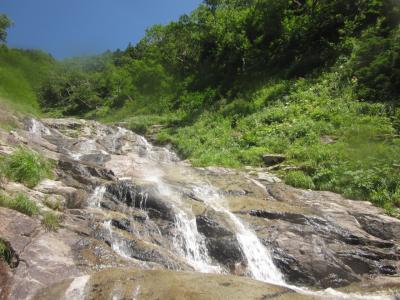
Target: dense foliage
x,y
227,47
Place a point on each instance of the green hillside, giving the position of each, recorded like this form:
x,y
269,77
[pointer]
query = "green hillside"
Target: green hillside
x,y
315,80
21,73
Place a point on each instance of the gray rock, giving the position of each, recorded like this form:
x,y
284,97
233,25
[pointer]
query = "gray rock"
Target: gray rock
x,y
273,159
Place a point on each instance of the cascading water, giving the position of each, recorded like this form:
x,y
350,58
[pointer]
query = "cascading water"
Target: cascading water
x,y
192,245
259,260
117,245
152,165
96,197
187,240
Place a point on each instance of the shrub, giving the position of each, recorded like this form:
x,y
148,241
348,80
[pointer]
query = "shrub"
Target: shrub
x,y
50,221
299,179
26,167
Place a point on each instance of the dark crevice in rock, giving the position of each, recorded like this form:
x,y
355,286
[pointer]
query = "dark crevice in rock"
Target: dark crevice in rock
x,y
136,196
9,255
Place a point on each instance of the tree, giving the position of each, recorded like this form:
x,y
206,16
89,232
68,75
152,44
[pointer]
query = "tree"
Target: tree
x,y
5,22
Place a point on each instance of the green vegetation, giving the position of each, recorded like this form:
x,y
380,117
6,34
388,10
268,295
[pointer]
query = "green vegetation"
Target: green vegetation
x,y
299,179
5,22
315,80
50,221
19,203
22,72
25,166
5,253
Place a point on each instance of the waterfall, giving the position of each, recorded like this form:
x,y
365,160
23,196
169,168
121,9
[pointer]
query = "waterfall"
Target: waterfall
x,y
259,260
192,244
187,240
117,245
37,128
96,197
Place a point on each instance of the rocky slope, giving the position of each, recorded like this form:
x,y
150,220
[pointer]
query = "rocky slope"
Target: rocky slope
x,y
134,214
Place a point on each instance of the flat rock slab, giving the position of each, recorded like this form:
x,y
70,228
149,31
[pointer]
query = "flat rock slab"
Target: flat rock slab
x,y
166,285
44,257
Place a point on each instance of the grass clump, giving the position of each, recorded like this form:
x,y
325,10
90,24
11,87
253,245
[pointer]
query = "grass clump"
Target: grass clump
x,y
20,203
50,221
25,166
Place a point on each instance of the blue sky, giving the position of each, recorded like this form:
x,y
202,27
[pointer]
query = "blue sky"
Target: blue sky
x,y
77,27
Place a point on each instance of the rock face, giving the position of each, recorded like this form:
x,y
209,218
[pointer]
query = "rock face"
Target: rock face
x,y
132,214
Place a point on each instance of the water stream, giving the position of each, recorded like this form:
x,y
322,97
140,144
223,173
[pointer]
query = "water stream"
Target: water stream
x,y
153,163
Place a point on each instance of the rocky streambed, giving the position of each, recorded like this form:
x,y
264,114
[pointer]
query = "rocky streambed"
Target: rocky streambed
x,y
138,223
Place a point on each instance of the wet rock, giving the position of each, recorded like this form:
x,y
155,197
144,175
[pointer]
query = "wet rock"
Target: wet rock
x,y
136,196
273,159
210,228
311,250
95,158
383,228
83,172
168,285
388,270
77,199
221,243
123,224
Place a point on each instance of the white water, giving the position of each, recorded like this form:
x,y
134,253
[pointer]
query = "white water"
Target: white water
x,y
259,260
117,245
192,244
37,128
96,197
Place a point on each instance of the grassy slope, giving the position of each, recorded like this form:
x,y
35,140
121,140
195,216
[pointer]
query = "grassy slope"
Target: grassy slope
x,y
20,74
337,142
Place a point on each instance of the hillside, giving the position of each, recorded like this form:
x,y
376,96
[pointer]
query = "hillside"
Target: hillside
x,y
317,81
223,156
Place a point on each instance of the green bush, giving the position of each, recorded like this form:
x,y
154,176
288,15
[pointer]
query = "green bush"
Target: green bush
x,y
25,166
299,179
50,221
